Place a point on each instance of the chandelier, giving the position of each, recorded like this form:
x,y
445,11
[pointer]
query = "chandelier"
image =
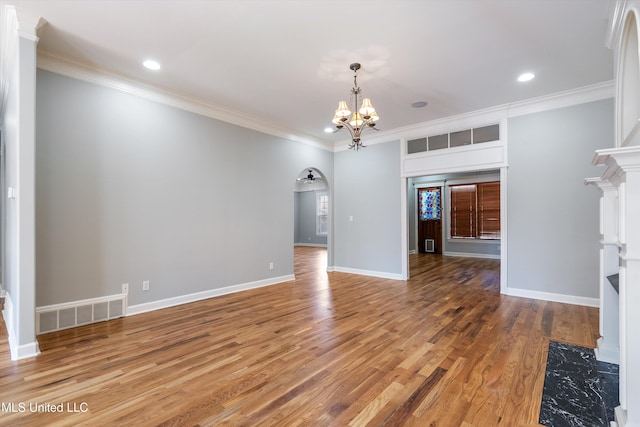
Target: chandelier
x,y
358,121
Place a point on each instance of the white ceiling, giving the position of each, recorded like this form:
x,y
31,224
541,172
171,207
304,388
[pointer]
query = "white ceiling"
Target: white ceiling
x,y
286,63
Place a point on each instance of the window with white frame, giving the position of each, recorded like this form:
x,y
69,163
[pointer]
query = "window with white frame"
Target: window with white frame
x,y
322,214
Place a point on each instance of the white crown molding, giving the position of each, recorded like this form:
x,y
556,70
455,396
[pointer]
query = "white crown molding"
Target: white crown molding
x,y
49,62
55,64
492,115
29,25
567,98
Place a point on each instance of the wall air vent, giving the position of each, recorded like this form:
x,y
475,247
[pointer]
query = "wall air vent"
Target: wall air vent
x,y
76,313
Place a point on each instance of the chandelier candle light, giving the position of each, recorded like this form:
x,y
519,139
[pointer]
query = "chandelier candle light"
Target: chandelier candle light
x,y
358,121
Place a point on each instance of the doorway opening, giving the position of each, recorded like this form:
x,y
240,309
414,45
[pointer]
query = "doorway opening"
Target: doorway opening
x,y
312,221
454,215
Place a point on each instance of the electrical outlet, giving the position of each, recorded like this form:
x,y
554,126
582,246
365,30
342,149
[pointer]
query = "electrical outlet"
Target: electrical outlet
x,y
145,285
271,266
125,288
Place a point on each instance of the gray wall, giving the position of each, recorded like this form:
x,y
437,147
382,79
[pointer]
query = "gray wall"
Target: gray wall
x,y
131,190
552,216
367,187
305,219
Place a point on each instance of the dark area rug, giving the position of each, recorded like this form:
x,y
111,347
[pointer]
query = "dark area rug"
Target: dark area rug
x,y
578,389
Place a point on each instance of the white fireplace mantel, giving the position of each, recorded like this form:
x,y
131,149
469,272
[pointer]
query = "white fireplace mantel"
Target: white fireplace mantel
x,y
620,254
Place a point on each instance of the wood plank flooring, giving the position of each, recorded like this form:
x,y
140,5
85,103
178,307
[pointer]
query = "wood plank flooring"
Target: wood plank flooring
x,y
328,349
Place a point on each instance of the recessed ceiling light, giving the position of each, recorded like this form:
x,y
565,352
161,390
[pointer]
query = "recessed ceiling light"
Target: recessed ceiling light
x,y
151,64
419,104
328,130
525,77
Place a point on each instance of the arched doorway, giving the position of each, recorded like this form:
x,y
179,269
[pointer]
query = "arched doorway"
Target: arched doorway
x,y
312,219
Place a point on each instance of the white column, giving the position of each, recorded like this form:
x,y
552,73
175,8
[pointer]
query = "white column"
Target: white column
x,y
630,263
20,90
623,171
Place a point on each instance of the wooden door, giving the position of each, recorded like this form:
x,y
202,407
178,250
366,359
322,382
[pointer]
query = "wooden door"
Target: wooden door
x,y
430,218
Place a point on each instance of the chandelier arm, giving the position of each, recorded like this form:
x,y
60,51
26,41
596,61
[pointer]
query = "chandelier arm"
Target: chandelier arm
x,y
346,125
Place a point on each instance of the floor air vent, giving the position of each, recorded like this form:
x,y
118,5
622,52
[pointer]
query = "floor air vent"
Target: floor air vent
x,y
76,313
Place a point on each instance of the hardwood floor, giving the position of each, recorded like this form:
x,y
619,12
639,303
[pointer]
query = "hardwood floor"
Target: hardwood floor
x,y
328,349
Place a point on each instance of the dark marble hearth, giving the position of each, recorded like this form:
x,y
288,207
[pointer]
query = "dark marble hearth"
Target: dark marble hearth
x,y
578,389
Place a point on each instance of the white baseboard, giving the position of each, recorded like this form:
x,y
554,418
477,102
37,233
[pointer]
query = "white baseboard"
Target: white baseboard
x,y
412,252
620,416
381,274
18,352
606,353
472,255
198,296
548,296
311,245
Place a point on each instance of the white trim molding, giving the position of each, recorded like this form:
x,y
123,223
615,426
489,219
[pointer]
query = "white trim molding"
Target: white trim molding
x,y
548,296
616,22
199,296
567,98
59,65
485,156
492,115
606,353
371,273
17,351
65,67
472,255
